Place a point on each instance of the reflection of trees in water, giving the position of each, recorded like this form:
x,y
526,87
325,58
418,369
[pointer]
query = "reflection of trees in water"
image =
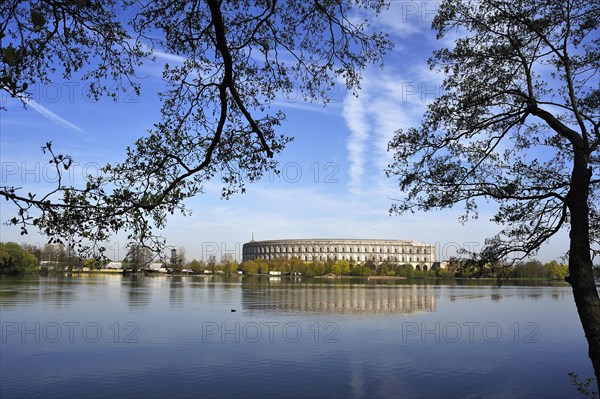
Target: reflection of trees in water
x,y
55,291
176,291
205,289
339,299
56,297
557,295
138,293
534,296
532,293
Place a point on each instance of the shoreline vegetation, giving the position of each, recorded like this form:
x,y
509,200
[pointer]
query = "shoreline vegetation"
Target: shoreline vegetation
x,y
18,259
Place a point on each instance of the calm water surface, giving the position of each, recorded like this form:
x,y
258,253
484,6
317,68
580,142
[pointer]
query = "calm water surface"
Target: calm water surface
x,y
114,336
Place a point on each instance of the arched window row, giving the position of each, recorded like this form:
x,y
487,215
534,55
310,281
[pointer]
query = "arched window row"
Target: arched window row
x,y
402,253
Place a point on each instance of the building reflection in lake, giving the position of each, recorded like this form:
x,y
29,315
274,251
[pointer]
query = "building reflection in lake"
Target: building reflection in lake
x,y
339,299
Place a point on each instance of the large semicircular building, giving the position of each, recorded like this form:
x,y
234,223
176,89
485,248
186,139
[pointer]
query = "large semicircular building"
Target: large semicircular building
x,y
308,250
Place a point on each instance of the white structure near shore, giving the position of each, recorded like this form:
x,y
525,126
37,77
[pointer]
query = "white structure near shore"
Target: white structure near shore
x,y
308,250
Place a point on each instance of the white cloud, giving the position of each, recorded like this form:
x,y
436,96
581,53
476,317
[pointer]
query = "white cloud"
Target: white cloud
x,y
406,18
388,101
169,56
354,112
46,113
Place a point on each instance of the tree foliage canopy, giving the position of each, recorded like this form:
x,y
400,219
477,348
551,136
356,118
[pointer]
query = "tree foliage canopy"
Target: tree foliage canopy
x,y
217,118
16,260
519,123
41,37
138,256
521,104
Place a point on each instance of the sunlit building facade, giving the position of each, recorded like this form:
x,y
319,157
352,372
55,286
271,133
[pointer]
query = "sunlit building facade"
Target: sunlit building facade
x,y
418,254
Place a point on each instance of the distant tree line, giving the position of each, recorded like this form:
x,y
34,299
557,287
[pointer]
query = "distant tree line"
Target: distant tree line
x,y
16,260
26,258
226,266
455,268
532,269
21,259
339,268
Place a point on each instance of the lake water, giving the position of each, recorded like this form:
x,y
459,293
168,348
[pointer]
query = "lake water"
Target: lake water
x,y
114,336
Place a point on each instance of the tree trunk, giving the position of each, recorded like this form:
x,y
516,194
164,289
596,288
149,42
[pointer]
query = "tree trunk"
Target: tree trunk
x,y
581,273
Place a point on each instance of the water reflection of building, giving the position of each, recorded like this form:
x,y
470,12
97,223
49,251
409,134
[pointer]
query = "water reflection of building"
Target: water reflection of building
x,y
340,299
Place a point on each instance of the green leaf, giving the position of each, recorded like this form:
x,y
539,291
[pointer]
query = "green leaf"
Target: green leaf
x,y
37,19
9,55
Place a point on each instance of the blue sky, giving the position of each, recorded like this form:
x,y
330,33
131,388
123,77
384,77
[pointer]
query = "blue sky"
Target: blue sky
x,y
332,185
